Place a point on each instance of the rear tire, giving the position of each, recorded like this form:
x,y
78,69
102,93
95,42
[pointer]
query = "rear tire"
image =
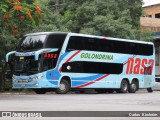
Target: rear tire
x,y
124,87
63,88
149,90
133,87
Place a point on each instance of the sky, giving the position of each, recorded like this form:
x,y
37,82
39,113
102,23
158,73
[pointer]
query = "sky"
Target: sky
x,y
150,2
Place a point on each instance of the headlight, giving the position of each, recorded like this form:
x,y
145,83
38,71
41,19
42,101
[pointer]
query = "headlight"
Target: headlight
x,y
37,77
41,76
36,84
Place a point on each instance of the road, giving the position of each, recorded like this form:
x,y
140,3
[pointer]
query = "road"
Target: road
x,y
140,101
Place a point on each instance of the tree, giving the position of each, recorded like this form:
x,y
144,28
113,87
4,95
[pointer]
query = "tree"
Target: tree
x,y
103,17
115,18
16,17
53,19
19,15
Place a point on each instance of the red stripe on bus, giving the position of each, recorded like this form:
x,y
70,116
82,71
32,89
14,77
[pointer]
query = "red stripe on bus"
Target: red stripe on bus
x,y
73,56
127,60
60,70
89,83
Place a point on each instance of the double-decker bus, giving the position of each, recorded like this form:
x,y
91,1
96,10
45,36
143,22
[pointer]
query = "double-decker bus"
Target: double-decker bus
x,y
63,61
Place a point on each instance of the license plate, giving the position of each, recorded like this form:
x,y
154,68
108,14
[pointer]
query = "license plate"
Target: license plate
x,y
22,81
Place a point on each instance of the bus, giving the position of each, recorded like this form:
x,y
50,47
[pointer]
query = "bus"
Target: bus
x,y
60,62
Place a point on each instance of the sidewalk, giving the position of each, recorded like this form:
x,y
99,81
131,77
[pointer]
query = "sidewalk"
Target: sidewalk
x,y
20,92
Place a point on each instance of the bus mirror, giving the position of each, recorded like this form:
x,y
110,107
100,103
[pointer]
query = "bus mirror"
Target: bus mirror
x,y
8,54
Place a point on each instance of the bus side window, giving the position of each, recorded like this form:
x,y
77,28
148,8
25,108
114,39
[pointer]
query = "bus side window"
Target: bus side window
x,y
145,49
75,43
133,48
55,41
71,45
75,67
91,44
106,46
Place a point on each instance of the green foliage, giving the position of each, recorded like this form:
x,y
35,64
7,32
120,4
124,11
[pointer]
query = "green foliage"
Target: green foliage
x,y
115,18
17,17
7,42
147,36
103,17
100,17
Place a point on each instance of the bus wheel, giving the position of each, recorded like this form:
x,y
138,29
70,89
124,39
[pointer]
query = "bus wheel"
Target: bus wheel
x,y
149,90
133,87
63,88
124,87
39,91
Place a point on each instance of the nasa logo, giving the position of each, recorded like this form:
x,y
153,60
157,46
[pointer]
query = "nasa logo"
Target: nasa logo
x,y
139,66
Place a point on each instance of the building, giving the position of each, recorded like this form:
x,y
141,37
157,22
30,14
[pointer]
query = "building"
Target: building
x,y
151,22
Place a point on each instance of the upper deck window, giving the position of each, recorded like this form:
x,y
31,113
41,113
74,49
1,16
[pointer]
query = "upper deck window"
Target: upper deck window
x,y
30,43
113,46
55,41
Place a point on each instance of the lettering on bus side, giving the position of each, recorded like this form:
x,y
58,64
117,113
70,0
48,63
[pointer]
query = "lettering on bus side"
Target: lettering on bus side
x,y
96,56
139,66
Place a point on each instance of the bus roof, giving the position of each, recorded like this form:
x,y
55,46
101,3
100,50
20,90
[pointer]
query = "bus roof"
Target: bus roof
x,y
92,36
110,38
45,33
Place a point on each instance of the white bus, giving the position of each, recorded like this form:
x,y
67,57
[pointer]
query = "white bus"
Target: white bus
x,y
63,61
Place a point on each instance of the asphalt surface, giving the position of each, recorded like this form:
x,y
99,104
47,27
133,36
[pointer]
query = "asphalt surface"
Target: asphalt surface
x,y
142,100
90,101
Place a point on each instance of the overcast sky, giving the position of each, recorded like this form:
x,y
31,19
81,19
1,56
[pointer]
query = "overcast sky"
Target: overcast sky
x,y
150,2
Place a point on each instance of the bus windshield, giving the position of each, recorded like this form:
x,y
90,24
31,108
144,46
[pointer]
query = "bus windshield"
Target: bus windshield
x,y
30,43
27,65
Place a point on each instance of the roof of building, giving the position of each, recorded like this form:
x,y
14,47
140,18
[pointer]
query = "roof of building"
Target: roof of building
x,y
145,6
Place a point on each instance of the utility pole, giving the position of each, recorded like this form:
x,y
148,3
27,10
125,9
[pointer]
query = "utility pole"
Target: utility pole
x,y
57,5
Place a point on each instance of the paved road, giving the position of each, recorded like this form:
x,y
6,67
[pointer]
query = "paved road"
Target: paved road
x,y
140,101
